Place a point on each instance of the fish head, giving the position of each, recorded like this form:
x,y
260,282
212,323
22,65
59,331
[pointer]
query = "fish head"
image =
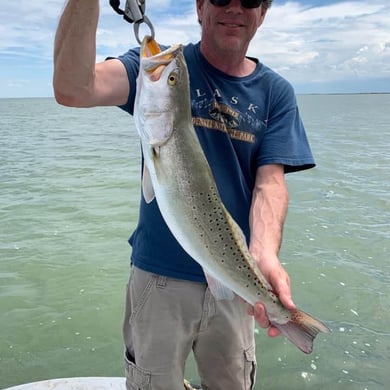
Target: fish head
x,y
162,87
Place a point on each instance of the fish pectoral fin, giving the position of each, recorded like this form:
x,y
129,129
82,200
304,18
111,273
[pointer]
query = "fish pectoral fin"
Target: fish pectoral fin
x,y
218,290
147,187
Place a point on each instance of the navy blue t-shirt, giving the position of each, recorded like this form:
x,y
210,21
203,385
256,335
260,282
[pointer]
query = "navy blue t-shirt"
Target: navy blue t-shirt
x,y
242,123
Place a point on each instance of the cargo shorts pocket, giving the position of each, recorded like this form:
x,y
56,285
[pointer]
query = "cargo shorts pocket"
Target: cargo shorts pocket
x,y
136,377
250,368
140,289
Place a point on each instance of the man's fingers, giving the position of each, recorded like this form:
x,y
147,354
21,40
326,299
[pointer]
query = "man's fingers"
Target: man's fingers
x,y
286,299
261,318
283,290
260,315
273,332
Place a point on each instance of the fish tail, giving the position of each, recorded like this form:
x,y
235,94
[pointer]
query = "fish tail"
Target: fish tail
x,y
302,329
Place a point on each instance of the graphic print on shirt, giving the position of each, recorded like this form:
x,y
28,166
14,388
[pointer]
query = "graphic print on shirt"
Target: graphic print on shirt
x,y
221,114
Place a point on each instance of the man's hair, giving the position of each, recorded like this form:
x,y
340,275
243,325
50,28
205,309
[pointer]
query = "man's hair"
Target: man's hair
x,y
267,3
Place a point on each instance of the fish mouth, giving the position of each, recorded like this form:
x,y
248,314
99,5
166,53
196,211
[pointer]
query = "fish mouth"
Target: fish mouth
x,y
154,60
149,47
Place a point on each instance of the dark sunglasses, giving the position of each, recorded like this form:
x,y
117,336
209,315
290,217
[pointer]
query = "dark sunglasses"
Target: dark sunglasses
x,y
244,3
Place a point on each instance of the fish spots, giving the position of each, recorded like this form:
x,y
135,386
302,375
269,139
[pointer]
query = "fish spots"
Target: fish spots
x,y
212,213
222,238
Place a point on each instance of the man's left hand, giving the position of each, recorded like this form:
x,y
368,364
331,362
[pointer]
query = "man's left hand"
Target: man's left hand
x,y
280,282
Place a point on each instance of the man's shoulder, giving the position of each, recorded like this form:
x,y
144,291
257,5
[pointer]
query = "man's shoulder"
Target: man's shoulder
x,y
189,50
272,74
275,80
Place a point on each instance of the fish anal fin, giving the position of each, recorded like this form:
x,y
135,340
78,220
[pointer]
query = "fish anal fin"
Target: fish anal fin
x,y
218,290
302,329
147,187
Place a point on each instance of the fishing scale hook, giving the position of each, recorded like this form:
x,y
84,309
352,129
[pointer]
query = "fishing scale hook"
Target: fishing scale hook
x,y
134,12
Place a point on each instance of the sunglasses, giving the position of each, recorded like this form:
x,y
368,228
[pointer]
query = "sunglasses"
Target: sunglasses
x,y
244,3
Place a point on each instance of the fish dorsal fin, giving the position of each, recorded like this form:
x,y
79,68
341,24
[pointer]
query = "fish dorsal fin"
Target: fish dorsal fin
x,y
147,187
218,290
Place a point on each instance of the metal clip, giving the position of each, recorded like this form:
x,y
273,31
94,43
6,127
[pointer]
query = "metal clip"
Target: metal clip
x,y
134,13
136,28
135,10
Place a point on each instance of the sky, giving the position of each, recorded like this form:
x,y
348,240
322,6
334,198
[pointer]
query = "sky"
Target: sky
x,y
319,46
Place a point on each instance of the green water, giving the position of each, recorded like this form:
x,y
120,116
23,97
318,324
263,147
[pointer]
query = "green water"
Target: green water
x,y
69,193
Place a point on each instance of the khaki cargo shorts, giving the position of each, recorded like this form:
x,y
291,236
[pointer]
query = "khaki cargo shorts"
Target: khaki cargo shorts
x,y
166,318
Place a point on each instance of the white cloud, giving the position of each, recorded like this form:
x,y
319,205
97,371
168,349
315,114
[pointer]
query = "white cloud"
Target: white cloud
x,y
305,43
325,43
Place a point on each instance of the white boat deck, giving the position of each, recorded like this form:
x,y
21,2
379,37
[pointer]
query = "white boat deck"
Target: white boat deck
x,y
85,383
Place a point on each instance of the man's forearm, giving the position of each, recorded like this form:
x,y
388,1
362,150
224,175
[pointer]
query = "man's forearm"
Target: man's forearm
x,y
268,212
75,51
267,215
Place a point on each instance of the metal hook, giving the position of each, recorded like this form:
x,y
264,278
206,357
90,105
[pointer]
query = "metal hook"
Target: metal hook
x,y
137,24
134,13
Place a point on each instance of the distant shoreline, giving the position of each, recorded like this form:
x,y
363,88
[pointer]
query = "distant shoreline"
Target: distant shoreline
x,y
343,93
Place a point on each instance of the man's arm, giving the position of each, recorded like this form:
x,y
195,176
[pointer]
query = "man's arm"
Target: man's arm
x,y
77,80
267,215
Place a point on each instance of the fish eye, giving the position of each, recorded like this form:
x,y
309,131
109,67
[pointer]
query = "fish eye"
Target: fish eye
x,y
172,79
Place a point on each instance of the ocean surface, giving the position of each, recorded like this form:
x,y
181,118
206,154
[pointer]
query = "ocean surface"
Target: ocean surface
x,y
69,194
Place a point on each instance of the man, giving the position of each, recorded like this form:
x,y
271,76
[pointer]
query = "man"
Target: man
x,y
248,124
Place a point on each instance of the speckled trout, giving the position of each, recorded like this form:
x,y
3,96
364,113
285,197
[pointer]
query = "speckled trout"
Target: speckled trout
x,y
177,174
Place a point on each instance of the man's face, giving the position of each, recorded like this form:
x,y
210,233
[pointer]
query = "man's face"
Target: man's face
x,y
229,28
